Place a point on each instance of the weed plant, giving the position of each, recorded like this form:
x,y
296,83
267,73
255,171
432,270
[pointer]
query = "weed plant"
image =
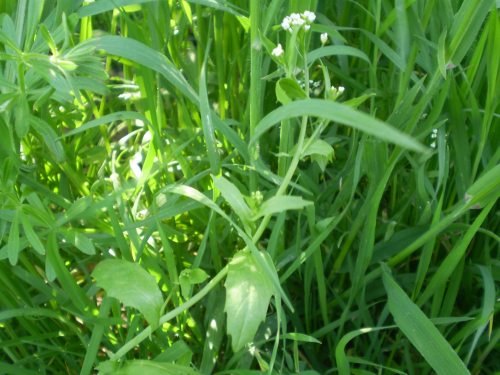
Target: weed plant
x,y
238,187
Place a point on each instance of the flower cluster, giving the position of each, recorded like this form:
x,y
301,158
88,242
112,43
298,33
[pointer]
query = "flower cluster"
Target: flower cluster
x,y
298,20
335,92
434,135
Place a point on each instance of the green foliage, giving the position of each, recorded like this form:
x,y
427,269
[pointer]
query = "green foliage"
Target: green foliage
x,y
130,284
248,292
420,331
211,186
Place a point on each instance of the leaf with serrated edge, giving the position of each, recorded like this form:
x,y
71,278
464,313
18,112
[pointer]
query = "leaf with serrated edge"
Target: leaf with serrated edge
x,y
132,285
248,293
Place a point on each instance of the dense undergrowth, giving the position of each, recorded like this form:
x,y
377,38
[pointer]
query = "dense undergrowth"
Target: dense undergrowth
x,y
237,187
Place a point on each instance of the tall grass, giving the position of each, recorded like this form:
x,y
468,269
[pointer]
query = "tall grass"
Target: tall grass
x,y
178,196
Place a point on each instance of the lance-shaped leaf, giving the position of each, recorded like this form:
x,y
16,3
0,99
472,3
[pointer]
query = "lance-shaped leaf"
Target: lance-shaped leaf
x,y
279,204
132,285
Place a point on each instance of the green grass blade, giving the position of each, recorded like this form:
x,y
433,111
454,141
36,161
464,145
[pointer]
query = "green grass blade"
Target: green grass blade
x,y
139,53
338,113
336,51
420,331
206,119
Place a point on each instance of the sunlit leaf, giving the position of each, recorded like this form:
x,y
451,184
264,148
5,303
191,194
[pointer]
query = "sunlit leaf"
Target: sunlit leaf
x,y
288,90
278,204
145,367
132,285
190,277
248,293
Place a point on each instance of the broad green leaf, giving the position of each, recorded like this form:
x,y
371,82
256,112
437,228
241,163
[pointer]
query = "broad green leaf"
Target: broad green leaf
x,y
288,90
278,204
80,241
234,197
145,367
248,293
179,353
421,332
189,277
340,113
320,151
132,285
336,51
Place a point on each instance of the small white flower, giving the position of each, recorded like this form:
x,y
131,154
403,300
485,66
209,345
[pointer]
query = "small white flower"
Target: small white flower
x,y
295,19
335,92
286,24
278,51
308,15
324,38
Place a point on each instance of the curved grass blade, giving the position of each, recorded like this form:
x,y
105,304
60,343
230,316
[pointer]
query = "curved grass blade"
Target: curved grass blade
x,y
336,51
421,332
139,53
340,113
117,116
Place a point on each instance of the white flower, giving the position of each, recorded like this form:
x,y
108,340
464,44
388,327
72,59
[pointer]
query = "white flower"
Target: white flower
x,y
278,51
295,19
324,38
335,92
286,24
310,16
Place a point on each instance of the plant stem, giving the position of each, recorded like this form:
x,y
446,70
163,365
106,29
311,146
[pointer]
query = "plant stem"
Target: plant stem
x,y
288,177
255,81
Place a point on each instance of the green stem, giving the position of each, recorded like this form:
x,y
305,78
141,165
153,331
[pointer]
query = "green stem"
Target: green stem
x,y
287,179
255,81
170,315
